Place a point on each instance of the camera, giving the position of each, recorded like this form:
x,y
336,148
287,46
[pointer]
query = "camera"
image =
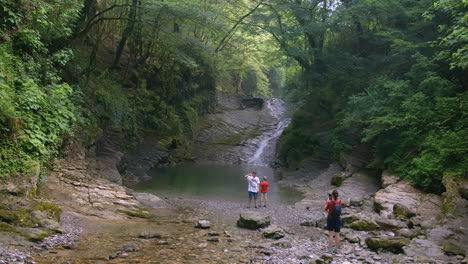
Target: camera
x,y
329,196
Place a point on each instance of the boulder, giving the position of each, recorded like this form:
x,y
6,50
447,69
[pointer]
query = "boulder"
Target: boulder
x,y
393,244
203,224
390,224
149,200
354,203
388,179
150,235
453,247
401,193
463,189
364,225
409,233
253,220
422,247
352,238
273,232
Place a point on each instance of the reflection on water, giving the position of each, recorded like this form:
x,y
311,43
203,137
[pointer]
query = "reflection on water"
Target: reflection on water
x,y
224,182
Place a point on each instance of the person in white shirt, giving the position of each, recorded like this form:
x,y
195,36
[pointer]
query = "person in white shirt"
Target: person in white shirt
x,y
254,182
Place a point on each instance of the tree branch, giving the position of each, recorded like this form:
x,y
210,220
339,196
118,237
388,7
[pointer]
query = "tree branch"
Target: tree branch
x,y
231,31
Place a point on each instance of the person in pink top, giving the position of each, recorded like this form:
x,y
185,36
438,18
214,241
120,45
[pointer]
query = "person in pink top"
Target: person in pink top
x,y
263,191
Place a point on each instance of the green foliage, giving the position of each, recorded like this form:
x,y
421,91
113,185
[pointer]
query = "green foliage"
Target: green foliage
x,y
37,110
454,37
376,76
425,113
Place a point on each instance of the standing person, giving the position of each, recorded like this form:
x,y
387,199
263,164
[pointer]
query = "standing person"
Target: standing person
x,y
263,191
333,208
253,181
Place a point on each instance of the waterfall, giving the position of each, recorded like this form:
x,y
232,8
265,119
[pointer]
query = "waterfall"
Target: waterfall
x,y
267,146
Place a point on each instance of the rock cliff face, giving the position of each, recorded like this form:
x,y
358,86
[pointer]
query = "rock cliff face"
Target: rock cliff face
x,y
222,136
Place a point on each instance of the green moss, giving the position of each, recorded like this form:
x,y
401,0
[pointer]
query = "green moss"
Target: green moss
x,y
449,197
21,217
4,227
337,181
51,209
38,238
140,213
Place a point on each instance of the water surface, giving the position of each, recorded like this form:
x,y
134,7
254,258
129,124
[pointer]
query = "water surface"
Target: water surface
x,y
218,182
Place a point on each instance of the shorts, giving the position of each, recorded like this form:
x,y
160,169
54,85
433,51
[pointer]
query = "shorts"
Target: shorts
x,y
253,195
333,224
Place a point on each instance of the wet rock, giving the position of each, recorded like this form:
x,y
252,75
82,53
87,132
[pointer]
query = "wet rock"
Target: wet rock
x,y
150,235
122,255
203,224
253,220
213,234
388,179
149,200
273,232
129,248
227,233
393,244
213,239
203,245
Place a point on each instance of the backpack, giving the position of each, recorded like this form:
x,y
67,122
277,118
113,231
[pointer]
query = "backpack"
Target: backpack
x,y
336,212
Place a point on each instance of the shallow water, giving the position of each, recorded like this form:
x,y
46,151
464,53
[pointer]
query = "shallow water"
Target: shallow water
x,y
220,182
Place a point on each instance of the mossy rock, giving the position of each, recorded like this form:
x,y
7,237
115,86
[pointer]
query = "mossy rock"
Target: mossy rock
x,y
337,181
38,238
364,225
52,210
393,244
402,210
18,217
253,220
453,248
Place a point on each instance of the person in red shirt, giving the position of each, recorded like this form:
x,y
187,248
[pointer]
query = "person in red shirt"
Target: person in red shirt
x,y
333,208
263,191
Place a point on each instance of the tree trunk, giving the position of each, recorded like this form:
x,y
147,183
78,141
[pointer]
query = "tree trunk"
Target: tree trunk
x,y
126,33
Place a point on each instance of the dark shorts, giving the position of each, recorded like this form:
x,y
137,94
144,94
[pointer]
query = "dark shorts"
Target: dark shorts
x,y
253,195
333,224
